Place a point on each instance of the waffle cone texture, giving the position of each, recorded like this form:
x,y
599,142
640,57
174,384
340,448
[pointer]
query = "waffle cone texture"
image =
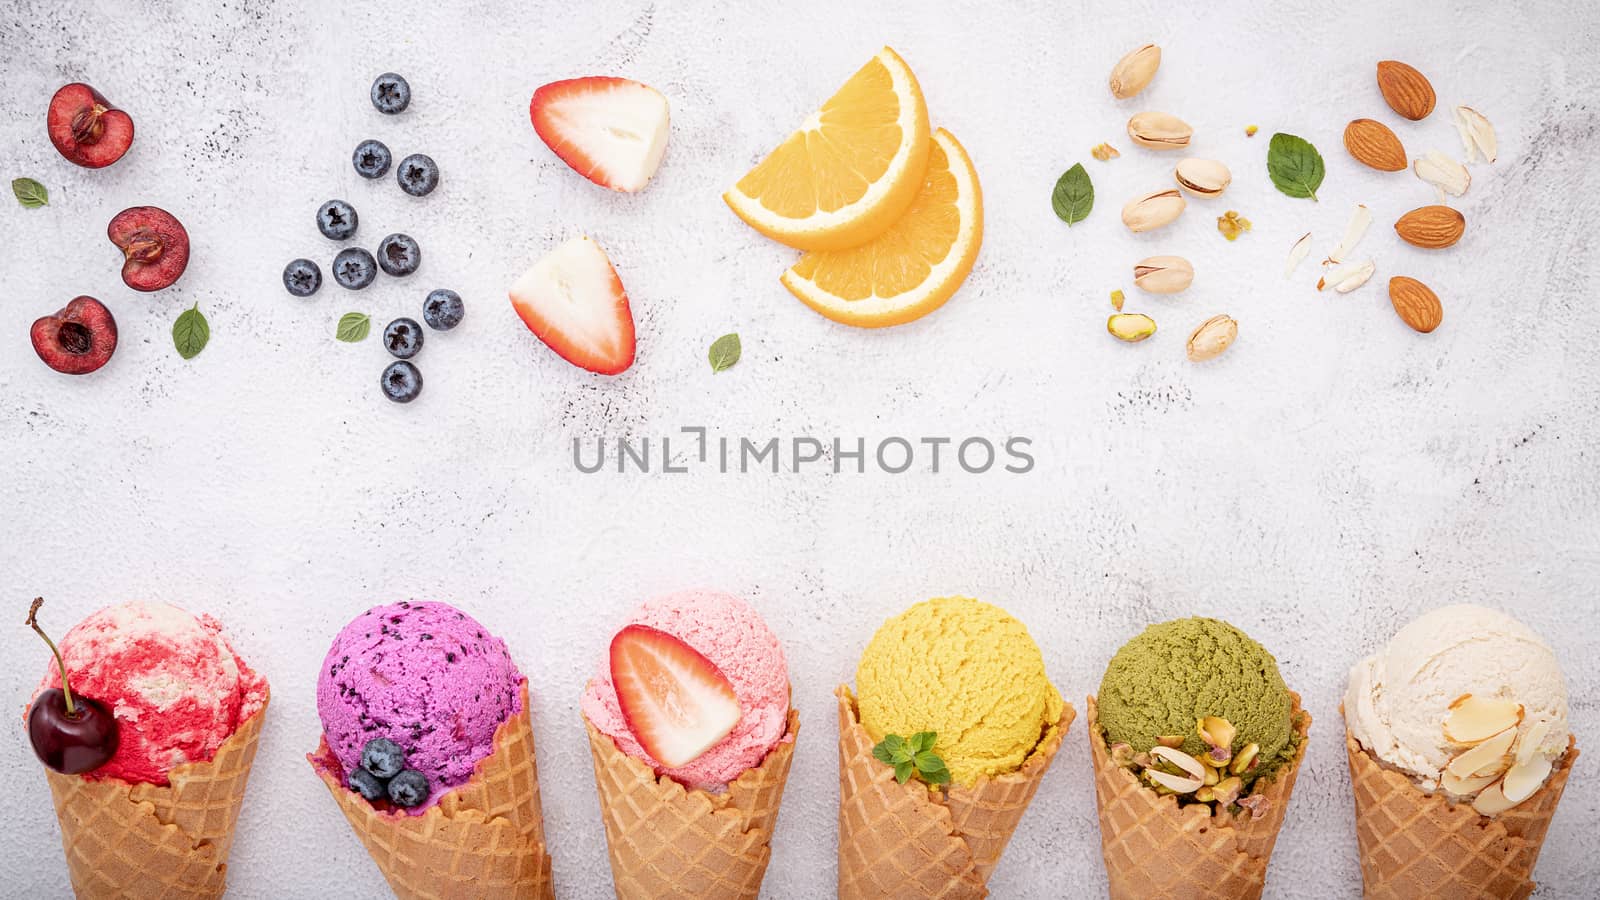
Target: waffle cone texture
x,y
907,841
670,842
133,841
484,839
1156,848
1420,845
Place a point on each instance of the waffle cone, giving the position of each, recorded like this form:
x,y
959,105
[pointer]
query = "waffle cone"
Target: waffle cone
x,y
125,840
1155,848
669,842
1420,845
484,839
907,841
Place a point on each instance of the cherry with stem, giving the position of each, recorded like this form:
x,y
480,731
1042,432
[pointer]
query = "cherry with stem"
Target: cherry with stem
x,y
71,735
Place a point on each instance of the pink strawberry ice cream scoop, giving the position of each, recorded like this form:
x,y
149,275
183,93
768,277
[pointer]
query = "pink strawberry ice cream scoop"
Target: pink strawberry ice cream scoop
x,y
428,677
728,632
172,681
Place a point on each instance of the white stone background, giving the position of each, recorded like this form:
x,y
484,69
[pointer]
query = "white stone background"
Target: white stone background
x,y
1329,478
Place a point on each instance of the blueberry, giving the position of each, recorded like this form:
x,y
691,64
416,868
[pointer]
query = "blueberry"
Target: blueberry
x,y
443,310
417,174
409,788
336,220
399,254
302,278
390,93
401,382
403,337
367,785
354,268
383,758
371,159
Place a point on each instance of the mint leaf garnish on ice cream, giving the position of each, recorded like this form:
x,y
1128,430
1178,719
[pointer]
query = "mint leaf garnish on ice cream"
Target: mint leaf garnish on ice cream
x,y
913,756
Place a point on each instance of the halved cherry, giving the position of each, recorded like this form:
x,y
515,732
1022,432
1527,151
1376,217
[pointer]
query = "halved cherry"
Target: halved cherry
x,y
86,129
677,703
78,339
155,247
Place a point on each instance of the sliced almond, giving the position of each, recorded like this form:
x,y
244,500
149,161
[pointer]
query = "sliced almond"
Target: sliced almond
x,y
1175,783
1529,743
1524,779
1182,760
1347,278
1476,134
1360,220
1492,801
1466,787
1473,719
1444,173
1482,755
1297,253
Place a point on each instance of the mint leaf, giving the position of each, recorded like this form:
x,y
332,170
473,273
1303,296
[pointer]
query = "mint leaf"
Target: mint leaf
x,y
725,351
1294,166
1073,196
191,333
31,194
922,741
903,772
934,772
883,754
353,327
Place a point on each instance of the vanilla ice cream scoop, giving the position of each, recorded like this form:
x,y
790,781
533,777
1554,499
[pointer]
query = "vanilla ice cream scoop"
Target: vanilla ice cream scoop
x,y
1462,680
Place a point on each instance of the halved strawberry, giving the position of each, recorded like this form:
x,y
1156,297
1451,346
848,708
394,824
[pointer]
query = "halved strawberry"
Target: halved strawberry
x,y
611,130
676,702
574,301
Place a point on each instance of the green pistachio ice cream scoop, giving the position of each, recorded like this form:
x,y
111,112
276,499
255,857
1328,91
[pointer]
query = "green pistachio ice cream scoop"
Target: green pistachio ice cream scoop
x,y
1161,683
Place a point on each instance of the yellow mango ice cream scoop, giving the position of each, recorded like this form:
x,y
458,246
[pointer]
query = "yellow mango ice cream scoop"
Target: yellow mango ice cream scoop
x,y
967,671
950,732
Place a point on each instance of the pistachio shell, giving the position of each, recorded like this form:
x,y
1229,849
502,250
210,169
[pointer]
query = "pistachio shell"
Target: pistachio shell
x,y
1159,131
1133,72
1153,210
1163,275
1203,177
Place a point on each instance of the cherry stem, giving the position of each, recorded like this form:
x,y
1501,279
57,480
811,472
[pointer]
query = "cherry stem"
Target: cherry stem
x,y
61,665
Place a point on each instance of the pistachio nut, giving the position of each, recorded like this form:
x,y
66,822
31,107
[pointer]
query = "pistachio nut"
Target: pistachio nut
x,y
1245,760
1203,177
1214,335
1159,131
1153,210
1131,327
1163,274
1228,790
1216,731
1133,72
1175,741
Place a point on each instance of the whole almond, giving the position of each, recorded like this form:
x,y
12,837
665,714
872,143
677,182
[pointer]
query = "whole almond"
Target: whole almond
x,y
1431,227
1133,72
1406,89
1163,274
1153,210
1214,335
1160,131
1373,144
1415,303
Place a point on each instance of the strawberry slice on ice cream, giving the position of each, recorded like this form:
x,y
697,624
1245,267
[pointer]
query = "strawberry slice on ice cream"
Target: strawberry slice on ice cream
x,y
573,300
677,703
612,131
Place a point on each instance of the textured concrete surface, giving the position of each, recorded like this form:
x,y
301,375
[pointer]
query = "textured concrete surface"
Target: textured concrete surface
x,y
1327,479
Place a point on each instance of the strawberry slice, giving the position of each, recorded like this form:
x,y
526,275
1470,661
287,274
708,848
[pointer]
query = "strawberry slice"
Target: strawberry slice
x,y
611,130
574,301
676,702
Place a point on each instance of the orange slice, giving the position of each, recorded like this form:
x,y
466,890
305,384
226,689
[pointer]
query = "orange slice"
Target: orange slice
x,y
850,171
914,267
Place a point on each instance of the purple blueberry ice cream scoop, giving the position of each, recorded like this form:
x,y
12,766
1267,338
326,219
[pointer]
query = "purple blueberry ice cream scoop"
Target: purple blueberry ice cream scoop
x,y
424,675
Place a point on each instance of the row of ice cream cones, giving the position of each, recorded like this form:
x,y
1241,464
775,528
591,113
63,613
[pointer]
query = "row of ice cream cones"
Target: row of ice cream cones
x,y
926,825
